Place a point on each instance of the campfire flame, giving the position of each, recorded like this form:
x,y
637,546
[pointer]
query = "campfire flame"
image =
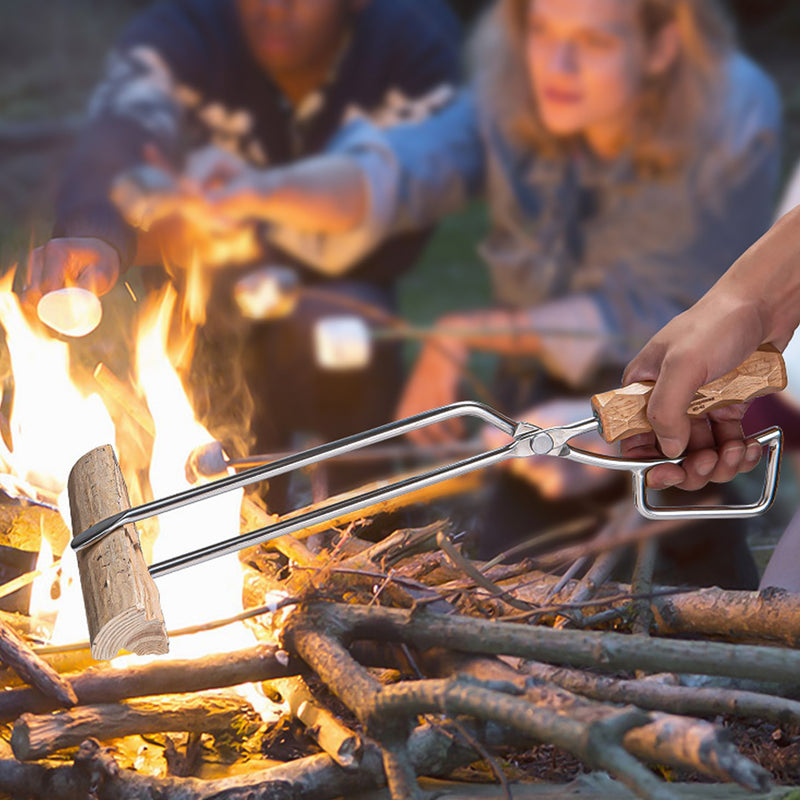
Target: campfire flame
x,y
54,423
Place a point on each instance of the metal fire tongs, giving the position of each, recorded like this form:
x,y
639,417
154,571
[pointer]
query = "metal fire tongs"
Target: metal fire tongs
x,y
617,414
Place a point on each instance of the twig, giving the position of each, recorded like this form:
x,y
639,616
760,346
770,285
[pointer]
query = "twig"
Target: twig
x,y
571,528
706,702
557,608
642,584
463,563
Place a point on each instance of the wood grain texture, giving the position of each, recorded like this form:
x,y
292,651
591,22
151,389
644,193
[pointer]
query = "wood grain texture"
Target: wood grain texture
x,y
121,599
623,412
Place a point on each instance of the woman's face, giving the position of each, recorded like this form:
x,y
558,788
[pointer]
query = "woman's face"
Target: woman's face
x,y
587,61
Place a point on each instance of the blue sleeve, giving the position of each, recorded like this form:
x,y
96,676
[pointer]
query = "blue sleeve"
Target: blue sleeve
x,y
420,171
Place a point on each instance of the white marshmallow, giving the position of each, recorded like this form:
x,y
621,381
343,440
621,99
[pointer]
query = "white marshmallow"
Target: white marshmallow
x,y
72,311
267,293
342,343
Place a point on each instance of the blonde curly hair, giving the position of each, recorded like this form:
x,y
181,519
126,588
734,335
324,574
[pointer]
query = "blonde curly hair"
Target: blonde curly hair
x,y
676,109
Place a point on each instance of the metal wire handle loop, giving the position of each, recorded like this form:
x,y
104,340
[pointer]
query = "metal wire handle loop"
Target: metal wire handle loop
x,y
772,438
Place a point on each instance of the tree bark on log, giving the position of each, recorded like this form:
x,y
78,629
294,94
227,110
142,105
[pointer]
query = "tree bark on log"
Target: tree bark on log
x,y
107,685
606,651
38,735
771,616
121,599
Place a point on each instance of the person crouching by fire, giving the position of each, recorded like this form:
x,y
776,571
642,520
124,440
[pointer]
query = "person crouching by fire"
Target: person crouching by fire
x,y
628,152
192,84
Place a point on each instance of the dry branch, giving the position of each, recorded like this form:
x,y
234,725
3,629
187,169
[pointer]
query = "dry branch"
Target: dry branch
x,y
596,742
37,735
772,615
769,616
343,745
607,651
680,741
121,599
593,732
706,702
31,668
398,545
664,739
107,685
432,750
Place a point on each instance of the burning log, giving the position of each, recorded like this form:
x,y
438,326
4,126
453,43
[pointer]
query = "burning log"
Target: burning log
x,y
125,398
36,736
343,745
31,668
122,602
108,685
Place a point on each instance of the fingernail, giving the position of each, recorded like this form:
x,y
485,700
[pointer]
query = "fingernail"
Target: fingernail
x,y
732,456
753,451
672,447
670,482
706,465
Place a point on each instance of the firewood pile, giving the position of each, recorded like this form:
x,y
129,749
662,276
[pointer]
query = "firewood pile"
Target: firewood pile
x,y
407,667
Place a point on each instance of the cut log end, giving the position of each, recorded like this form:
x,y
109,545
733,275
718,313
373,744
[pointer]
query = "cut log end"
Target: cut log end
x,y
123,608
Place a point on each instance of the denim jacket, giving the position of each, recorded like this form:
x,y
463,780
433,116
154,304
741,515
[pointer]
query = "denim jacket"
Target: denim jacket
x,y
584,244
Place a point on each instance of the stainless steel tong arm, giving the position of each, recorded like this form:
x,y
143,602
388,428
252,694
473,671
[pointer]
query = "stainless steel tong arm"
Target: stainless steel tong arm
x,y
526,440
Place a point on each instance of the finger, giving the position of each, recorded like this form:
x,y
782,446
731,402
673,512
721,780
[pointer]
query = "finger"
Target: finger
x,y
752,455
731,448
680,377
646,366
643,445
665,476
57,267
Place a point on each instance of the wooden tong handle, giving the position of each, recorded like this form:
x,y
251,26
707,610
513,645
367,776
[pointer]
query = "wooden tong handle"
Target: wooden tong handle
x,y
623,412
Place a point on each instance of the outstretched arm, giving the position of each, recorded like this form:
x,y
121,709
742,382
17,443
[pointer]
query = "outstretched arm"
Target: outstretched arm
x,y
757,301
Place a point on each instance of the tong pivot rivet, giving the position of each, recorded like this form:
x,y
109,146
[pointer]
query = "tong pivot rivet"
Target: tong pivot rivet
x,y
542,444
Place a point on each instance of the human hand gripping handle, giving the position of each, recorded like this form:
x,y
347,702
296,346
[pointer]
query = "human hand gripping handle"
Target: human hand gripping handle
x,y
622,413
